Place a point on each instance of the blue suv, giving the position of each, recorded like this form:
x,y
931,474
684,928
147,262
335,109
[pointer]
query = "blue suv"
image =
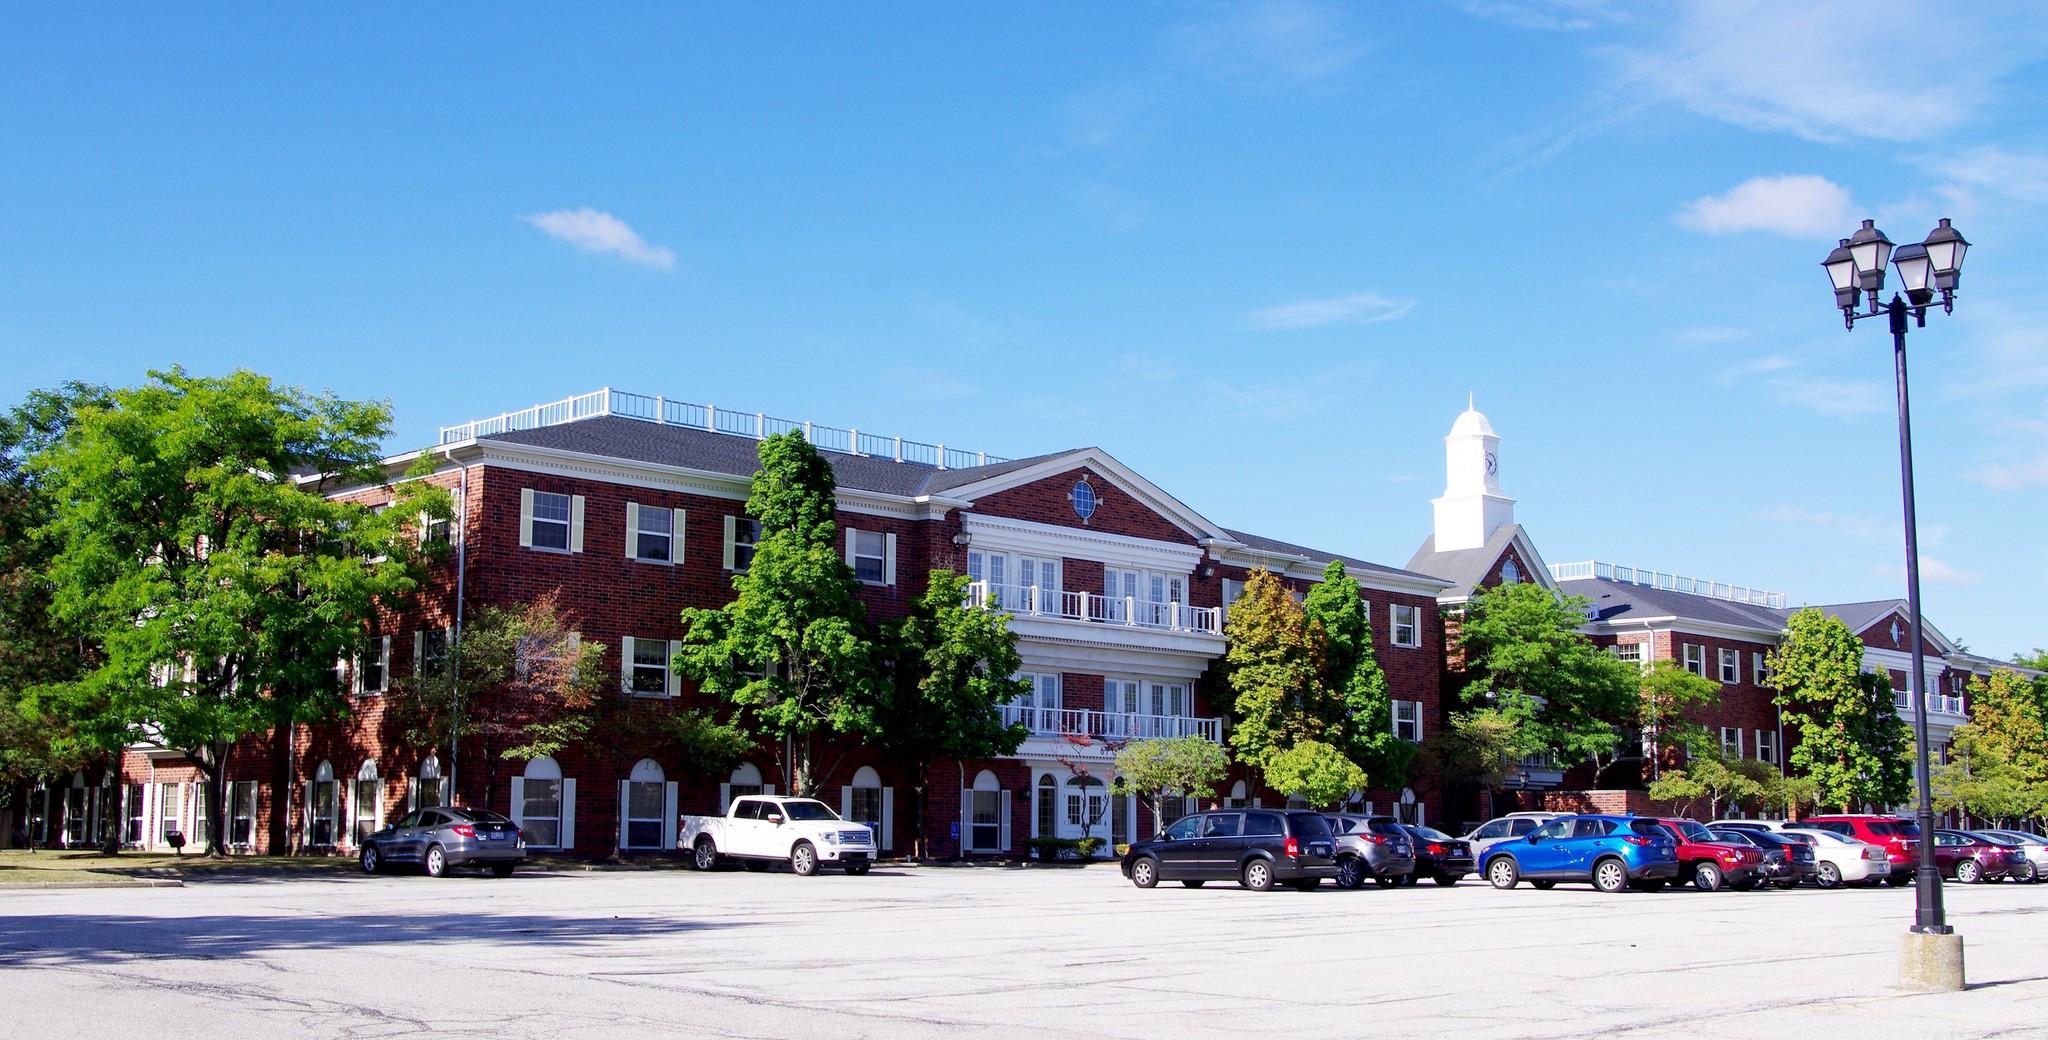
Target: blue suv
x,y
1611,852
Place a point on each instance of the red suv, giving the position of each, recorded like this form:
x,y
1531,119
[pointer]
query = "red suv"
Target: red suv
x,y
1900,838
1707,863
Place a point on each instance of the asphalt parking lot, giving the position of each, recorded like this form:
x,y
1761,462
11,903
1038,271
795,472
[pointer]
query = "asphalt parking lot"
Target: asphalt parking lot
x,y
989,952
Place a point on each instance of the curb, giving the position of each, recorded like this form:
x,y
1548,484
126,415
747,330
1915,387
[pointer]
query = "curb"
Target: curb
x,y
123,883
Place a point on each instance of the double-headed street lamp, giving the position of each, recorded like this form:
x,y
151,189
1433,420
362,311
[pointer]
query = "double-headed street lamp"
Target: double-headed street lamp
x,y
1932,955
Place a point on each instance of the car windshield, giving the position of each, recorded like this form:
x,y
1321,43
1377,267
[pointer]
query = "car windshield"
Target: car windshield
x,y
1692,831
806,809
1431,834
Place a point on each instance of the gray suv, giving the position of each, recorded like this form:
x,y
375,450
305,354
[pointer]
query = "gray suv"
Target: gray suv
x,y
1372,846
445,837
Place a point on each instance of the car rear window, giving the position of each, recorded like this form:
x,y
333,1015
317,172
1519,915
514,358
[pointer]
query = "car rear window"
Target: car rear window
x,y
1269,823
1387,827
1896,828
486,816
1521,827
1306,826
1430,834
1649,827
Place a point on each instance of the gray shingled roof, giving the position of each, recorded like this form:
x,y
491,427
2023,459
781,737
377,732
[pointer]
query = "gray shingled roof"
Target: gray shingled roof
x,y
1352,564
1625,601
1463,568
1858,616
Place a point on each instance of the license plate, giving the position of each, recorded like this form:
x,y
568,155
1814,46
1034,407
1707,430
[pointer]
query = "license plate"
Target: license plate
x,y
1882,868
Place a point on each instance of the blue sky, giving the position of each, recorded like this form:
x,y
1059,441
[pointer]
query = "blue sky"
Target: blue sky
x,y
1259,252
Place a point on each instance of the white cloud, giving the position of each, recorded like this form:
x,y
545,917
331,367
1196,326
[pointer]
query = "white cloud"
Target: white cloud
x,y
1283,41
2023,177
2012,477
1797,205
1713,334
1354,309
1931,570
1757,367
1837,69
595,231
1839,398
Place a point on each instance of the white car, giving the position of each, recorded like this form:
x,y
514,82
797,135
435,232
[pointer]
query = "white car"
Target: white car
x,y
1753,825
2032,846
1840,860
1506,828
763,829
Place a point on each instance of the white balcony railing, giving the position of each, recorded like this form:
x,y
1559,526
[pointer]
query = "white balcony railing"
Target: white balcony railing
x,y
1032,601
1111,725
1937,704
1582,569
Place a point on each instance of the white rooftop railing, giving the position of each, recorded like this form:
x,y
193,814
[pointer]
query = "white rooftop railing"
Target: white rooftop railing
x,y
1584,569
663,411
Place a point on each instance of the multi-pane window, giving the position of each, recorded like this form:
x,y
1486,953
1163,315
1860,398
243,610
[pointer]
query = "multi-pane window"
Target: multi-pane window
x,y
1731,741
430,651
1407,625
647,667
541,812
1731,667
202,815
131,830
435,530
1695,659
1767,746
987,821
1232,589
868,552
373,665
651,533
864,806
1630,652
369,798
1760,668
241,813
169,810
1408,721
1047,809
645,808
550,521
320,827
741,535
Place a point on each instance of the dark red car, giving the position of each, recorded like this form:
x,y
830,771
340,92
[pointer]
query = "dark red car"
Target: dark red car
x,y
1970,857
1707,863
1900,838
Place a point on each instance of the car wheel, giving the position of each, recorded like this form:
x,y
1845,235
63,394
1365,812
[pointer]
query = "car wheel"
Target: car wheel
x,y
1257,875
1447,880
1706,875
1968,872
1610,875
1191,884
705,855
1145,872
1502,873
501,870
436,861
1829,876
1543,886
2027,872
803,859
1350,872
372,862
857,869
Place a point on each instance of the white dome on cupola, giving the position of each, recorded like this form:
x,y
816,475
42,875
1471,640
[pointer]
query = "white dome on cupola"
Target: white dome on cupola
x,y
1472,507
1472,423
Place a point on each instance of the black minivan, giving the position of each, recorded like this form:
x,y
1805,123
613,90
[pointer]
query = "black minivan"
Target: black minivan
x,y
1255,847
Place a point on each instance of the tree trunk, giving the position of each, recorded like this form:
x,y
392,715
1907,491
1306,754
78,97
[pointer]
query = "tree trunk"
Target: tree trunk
x,y
216,800
110,836
281,830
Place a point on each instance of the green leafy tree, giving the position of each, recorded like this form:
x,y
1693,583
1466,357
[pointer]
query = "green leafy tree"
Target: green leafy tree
x,y
1844,738
1152,769
1981,779
1887,740
2008,719
1275,665
1670,693
1351,670
793,649
38,648
1710,778
1316,771
218,587
1481,747
951,668
1524,654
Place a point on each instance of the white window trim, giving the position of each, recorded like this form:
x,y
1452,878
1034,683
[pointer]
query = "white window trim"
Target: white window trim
x,y
1414,625
888,555
732,542
526,522
628,645
1395,708
1737,731
1759,667
1760,743
1727,662
384,669
634,511
1685,658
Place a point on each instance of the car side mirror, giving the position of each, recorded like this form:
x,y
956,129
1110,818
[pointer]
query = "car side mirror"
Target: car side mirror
x,y
775,818
1532,838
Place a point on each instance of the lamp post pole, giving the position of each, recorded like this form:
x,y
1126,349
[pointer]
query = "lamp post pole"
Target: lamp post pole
x,y
1930,954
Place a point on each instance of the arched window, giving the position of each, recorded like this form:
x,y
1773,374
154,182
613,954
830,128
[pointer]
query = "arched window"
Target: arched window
x,y
745,780
646,806
368,802
865,801
1509,573
1047,815
431,792
538,800
322,808
1086,802
1240,796
987,828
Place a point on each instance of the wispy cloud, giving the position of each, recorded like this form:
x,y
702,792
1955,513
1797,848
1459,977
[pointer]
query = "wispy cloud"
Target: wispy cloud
x,y
1274,42
2012,477
1353,309
1756,367
1789,68
1796,205
1838,398
2015,175
1931,570
595,231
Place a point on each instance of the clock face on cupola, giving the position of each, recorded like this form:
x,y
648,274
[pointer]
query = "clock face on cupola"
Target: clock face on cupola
x,y
1492,463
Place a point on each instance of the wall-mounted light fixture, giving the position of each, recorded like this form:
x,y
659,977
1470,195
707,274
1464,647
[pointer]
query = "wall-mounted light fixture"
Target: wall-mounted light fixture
x,y
962,538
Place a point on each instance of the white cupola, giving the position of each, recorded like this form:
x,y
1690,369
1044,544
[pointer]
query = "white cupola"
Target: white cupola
x,y
1472,507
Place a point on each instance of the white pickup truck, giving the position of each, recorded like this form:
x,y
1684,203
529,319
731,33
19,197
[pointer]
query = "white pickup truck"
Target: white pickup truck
x,y
758,829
